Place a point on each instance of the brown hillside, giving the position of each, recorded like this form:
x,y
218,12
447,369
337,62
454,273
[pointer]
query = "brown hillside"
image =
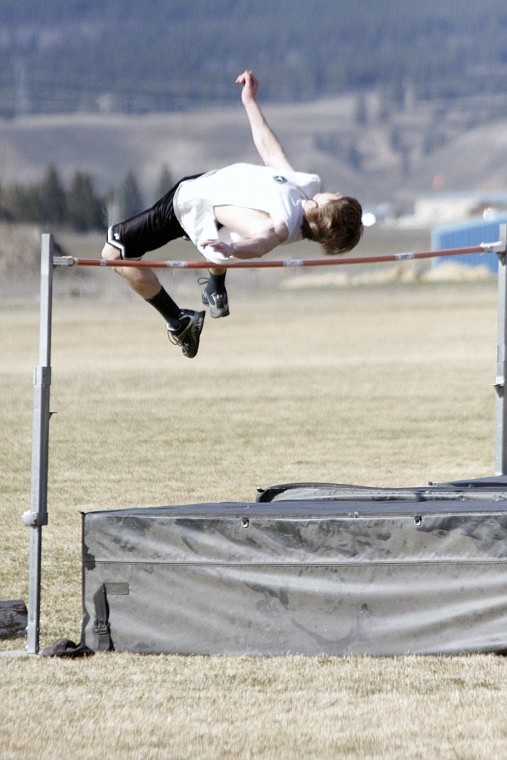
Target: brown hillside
x,y
377,161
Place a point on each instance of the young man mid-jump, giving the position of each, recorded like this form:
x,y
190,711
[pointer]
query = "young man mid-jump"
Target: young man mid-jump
x,y
241,211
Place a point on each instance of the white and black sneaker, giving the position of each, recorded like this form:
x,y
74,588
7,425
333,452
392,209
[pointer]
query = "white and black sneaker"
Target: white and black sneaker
x,y
188,332
218,303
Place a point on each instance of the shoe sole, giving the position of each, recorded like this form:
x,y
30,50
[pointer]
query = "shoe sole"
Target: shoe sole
x,y
213,311
196,327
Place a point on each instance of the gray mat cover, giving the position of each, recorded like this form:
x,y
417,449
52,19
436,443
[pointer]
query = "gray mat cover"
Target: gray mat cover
x,y
331,575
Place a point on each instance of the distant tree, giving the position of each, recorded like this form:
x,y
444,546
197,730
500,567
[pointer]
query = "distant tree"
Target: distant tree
x,y
165,182
5,213
22,203
84,208
53,201
296,54
129,197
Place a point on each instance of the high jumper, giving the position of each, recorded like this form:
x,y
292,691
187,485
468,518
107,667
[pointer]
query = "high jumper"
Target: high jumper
x,y
241,211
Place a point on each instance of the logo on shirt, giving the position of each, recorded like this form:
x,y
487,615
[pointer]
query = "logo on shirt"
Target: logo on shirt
x,y
279,179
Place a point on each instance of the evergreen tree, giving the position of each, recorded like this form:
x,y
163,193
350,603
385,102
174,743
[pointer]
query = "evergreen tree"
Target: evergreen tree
x,y
129,197
22,204
165,183
5,213
84,208
53,203
323,48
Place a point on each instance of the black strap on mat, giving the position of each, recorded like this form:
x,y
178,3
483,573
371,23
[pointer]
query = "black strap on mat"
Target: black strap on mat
x,y
67,648
101,625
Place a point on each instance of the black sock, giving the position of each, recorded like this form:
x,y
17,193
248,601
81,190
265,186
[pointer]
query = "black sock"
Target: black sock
x,y
216,283
165,305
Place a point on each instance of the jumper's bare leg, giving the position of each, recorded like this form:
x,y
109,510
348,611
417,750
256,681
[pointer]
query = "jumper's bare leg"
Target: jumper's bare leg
x,y
143,281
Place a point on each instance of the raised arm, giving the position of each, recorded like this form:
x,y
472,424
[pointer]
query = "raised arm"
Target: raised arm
x,y
265,140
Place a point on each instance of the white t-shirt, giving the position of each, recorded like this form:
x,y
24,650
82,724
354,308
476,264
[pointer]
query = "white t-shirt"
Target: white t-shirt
x,y
278,193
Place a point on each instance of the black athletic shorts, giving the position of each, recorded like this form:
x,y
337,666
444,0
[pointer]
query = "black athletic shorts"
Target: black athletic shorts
x,y
149,230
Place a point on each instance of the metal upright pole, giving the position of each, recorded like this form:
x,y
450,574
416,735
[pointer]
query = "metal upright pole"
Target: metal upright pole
x,y
37,516
501,359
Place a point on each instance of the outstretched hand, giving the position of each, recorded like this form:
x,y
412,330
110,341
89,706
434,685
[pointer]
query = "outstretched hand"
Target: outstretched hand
x,y
250,85
219,246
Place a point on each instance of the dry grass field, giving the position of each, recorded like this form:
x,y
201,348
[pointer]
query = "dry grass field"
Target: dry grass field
x,y
309,379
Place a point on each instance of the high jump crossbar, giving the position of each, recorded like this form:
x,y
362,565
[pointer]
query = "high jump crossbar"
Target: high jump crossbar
x,y
37,516
68,261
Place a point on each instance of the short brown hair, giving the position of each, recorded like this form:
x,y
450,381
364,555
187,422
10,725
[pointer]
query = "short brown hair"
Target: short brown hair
x,y
337,226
